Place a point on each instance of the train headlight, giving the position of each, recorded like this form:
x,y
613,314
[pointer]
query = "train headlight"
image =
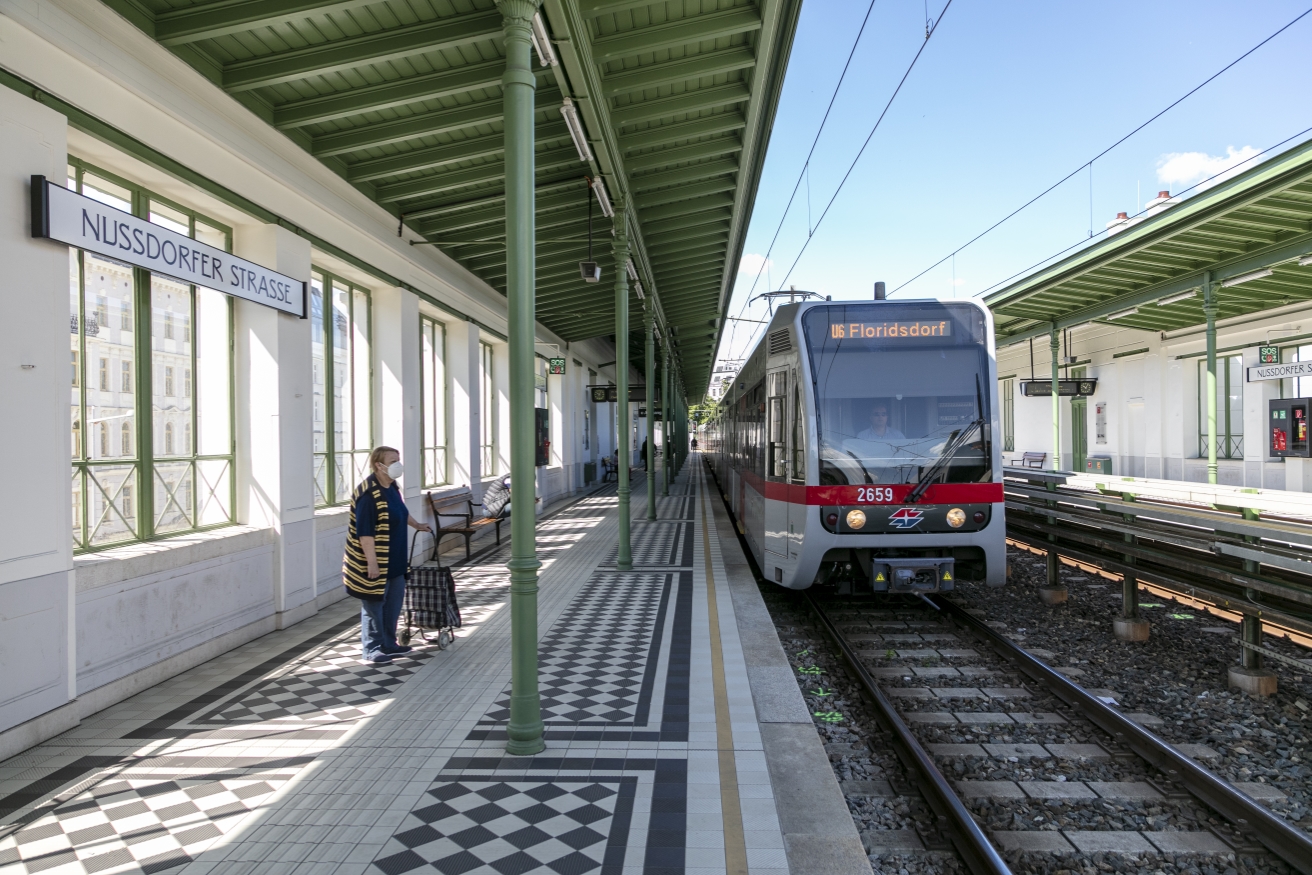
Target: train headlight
x,y
856,519
956,517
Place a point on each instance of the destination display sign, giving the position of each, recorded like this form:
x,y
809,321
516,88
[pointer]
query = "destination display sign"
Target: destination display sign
x,y
896,328
1279,372
68,217
611,394
1065,388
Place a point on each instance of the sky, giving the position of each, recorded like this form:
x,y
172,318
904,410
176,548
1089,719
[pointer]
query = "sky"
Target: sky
x,y
1007,98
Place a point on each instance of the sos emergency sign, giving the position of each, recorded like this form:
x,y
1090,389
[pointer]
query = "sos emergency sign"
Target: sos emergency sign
x,y
68,217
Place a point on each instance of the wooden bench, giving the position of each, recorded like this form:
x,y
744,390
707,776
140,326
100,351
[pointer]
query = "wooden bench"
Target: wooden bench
x,y
460,507
1033,460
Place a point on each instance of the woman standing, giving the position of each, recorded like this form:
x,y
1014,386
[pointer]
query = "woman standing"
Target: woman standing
x,y
376,559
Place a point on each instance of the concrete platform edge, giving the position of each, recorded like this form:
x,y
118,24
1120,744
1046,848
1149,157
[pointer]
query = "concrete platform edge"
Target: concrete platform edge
x,y
820,837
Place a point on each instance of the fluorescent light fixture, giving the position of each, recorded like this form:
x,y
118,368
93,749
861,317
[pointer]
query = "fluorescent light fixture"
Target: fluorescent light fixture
x,y
1175,299
628,267
599,186
1247,277
1121,314
542,42
1305,261
637,287
576,132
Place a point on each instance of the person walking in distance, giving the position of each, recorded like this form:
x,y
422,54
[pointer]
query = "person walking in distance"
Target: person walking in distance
x,y
376,558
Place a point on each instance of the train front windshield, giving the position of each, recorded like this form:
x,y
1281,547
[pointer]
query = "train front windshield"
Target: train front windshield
x,y
902,392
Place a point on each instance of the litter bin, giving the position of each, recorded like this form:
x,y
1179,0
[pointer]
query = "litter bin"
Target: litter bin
x,y
1098,465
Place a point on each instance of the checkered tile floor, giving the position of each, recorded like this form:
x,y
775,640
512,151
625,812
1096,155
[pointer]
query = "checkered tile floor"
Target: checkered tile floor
x,y
658,544
497,827
592,662
136,823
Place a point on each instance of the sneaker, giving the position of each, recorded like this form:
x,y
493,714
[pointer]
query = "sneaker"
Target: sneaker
x,y
399,650
377,659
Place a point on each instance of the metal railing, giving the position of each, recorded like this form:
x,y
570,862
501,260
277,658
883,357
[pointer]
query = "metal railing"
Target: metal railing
x,y
1247,550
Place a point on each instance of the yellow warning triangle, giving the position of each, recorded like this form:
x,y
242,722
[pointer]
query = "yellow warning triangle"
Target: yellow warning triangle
x,y
879,577
947,575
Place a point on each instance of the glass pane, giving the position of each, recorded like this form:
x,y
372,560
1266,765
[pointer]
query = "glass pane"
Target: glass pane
x,y
75,352
213,386
79,491
344,475
318,373
107,285
213,492
427,364
321,479
171,360
170,218
174,484
211,235
107,192
361,383
112,511
341,371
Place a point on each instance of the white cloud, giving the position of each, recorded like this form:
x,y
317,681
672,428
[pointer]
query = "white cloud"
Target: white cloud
x,y
1182,169
958,282
751,263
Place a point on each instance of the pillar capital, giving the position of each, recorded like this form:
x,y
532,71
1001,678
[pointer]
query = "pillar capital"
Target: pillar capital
x,y
518,11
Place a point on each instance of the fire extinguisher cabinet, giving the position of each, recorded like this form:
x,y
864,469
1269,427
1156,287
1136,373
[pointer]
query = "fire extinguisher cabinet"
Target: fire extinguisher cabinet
x,y
1287,428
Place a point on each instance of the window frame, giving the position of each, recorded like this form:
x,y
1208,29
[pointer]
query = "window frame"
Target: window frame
x,y
436,455
138,505
487,398
1008,414
1230,443
329,283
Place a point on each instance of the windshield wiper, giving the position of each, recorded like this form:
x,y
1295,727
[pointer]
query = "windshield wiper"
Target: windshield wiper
x,y
953,446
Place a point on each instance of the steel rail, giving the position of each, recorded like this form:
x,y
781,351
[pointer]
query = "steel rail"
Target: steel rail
x,y
1284,840
966,835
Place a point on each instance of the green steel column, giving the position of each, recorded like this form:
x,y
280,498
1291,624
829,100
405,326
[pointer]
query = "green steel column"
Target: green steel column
x,y
1054,343
649,375
1209,310
665,414
517,84
624,561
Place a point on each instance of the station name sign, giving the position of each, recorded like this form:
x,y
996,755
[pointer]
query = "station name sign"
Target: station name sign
x,y
611,394
68,217
1279,372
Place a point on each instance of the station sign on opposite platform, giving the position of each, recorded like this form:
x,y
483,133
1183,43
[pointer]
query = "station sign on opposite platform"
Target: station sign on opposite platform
x,y
1065,388
68,217
611,394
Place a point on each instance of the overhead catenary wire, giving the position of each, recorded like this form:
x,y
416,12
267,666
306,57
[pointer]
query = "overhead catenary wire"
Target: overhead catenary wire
x,y
1089,162
811,236
805,166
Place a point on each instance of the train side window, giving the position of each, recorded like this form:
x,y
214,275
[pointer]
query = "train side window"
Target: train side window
x,y
776,425
798,442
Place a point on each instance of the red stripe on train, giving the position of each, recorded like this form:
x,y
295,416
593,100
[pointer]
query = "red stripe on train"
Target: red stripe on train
x,y
895,493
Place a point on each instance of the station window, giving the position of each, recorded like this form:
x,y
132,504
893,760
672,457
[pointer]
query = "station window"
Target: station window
x,y
432,349
1229,407
487,411
1008,416
1296,387
187,485
343,401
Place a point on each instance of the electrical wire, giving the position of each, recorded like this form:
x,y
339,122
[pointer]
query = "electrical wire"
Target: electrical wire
x,y
869,136
1089,163
1199,184
805,166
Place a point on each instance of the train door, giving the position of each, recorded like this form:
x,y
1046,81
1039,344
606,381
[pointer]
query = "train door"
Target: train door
x,y
797,507
776,461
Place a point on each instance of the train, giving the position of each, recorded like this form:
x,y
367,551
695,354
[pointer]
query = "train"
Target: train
x,y
856,447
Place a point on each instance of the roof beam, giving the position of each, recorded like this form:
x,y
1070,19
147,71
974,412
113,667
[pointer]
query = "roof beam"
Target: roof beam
x,y
370,98
344,54
684,31
687,192
428,124
662,135
449,153
693,152
548,169
176,27
685,208
694,67
683,175
680,104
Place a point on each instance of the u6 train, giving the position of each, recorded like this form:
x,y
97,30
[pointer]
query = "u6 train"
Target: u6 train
x,y
856,447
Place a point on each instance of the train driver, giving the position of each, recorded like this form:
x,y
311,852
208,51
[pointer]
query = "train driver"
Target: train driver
x,y
879,429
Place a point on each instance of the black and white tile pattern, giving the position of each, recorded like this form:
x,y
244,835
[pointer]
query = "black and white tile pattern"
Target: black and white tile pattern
x,y
659,544
491,826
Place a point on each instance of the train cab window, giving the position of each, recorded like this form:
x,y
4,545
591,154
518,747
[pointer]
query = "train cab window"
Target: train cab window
x,y
900,393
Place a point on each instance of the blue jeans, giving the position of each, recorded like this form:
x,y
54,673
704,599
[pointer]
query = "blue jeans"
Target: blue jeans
x,y
378,619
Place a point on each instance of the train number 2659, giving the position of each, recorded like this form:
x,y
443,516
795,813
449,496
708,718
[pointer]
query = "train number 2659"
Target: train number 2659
x,y
874,494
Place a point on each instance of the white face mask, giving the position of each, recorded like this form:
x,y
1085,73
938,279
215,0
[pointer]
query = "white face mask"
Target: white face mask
x,y
395,470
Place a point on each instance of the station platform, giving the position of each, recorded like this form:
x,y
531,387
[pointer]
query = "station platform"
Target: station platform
x,y
677,738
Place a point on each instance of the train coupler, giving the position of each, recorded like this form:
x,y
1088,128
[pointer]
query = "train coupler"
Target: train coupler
x,y
912,575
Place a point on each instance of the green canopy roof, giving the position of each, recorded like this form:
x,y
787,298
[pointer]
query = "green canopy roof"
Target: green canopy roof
x,y
403,99
1252,232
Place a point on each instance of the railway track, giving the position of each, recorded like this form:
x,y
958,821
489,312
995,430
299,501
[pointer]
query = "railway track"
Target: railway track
x,y
1069,774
